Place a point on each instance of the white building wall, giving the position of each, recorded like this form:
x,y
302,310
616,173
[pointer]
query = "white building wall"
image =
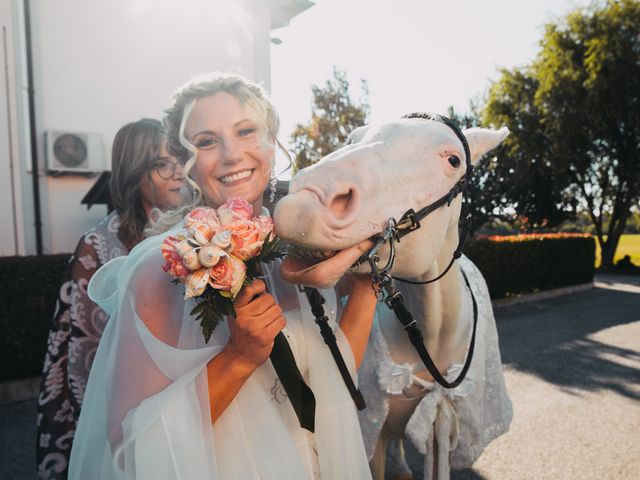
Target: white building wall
x,y
100,64
12,204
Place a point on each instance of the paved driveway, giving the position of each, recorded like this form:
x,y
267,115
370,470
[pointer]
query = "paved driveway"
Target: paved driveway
x,y
572,366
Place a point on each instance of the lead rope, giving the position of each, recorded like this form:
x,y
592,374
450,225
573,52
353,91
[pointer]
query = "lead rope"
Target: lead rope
x,y
395,301
315,301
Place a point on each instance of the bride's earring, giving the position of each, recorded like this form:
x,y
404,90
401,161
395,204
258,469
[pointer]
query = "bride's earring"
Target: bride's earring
x,y
272,189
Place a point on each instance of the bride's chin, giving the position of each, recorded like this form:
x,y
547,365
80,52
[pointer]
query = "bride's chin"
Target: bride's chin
x,y
322,273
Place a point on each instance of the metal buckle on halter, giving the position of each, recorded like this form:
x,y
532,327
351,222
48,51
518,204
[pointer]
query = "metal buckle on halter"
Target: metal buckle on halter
x,y
391,298
409,221
387,236
380,276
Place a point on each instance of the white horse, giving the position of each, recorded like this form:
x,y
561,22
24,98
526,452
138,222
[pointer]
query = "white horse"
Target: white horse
x,y
337,205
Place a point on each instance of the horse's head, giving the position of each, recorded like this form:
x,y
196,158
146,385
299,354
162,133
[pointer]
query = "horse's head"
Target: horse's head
x,y
338,204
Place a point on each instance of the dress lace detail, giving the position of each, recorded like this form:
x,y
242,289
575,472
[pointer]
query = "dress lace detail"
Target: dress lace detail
x,y
76,329
463,420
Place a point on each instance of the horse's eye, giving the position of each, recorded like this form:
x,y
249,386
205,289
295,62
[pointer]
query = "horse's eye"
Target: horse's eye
x,y
454,161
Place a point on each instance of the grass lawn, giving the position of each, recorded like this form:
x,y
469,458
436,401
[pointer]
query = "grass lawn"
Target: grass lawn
x,y
629,245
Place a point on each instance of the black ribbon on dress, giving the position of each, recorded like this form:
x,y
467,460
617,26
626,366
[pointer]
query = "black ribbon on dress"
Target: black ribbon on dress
x,y
299,393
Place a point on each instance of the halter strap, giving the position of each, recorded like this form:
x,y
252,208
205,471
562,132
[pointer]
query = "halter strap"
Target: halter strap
x,y
382,277
410,220
449,123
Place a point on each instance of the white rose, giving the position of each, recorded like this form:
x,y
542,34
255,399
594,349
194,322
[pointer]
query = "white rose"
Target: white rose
x,y
209,255
184,247
190,260
222,239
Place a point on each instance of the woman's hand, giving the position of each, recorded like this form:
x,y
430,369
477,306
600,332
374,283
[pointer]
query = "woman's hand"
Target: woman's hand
x,y
258,320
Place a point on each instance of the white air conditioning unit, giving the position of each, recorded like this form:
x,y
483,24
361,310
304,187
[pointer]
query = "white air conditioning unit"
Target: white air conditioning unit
x,y
74,152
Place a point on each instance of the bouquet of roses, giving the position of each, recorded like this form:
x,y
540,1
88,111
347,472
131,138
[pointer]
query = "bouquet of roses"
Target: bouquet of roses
x,y
220,254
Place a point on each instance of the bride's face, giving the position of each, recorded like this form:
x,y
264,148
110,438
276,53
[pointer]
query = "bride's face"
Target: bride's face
x,y
235,154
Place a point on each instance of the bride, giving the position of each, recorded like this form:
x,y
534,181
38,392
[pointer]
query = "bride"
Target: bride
x,y
163,404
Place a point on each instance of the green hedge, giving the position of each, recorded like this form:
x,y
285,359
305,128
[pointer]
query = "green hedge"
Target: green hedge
x,y
29,290
518,264
511,265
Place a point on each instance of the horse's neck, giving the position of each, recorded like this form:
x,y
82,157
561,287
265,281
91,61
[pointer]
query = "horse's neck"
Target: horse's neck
x,y
436,306
436,309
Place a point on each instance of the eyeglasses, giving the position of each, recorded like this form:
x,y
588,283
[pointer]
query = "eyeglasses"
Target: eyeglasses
x,y
165,168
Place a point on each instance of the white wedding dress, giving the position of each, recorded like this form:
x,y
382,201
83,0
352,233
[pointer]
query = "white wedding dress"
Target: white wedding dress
x,y
146,408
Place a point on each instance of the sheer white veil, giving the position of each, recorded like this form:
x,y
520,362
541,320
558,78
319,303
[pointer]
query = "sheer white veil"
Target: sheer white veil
x,y
146,408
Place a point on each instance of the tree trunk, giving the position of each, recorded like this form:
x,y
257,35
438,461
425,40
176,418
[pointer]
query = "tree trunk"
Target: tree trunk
x,y
611,244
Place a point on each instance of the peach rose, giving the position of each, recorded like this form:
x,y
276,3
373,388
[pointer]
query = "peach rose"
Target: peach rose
x,y
227,276
246,240
173,265
203,223
234,209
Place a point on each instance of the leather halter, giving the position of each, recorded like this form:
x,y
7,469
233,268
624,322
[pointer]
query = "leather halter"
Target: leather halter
x,y
395,230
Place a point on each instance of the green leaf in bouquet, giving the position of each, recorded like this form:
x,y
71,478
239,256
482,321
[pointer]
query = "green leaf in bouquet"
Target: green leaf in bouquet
x,y
208,315
273,248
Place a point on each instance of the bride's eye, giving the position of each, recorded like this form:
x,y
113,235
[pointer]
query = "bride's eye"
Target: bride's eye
x,y
246,131
206,143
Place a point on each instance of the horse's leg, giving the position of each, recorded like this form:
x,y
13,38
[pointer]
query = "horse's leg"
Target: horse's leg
x,y
377,461
398,468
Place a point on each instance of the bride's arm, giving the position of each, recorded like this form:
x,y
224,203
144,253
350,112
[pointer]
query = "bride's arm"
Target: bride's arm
x,y
258,320
357,316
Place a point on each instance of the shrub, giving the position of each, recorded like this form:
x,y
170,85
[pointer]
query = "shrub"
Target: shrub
x,y
517,264
29,292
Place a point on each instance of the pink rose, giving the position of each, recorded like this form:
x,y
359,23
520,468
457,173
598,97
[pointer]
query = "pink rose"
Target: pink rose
x,y
227,276
203,224
173,265
246,240
265,225
234,209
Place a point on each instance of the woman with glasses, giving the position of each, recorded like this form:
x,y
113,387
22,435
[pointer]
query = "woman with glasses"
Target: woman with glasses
x,y
144,179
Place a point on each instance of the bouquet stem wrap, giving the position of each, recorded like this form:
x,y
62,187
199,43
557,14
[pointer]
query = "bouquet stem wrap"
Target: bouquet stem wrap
x,y
299,393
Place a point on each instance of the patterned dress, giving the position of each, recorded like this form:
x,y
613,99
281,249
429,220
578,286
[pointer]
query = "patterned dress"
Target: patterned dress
x,y
77,326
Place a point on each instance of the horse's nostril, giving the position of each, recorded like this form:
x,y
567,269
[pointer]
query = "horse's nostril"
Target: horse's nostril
x,y
340,204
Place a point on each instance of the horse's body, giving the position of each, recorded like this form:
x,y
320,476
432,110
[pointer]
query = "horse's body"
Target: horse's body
x,y
348,197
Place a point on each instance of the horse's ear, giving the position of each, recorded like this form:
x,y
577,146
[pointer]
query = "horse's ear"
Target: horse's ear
x,y
483,140
356,135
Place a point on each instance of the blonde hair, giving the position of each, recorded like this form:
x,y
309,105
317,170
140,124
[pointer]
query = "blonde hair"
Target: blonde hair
x,y
250,95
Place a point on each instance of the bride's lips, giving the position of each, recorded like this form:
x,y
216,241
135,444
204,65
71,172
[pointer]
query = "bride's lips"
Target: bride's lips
x,y
243,175
326,273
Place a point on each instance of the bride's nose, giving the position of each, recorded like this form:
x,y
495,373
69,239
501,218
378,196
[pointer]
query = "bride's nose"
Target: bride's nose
x,y
231,152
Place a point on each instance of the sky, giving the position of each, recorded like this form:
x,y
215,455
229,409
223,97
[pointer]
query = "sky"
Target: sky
x,y
416,55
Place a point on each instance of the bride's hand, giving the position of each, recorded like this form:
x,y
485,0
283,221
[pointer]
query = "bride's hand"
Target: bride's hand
x,y
258,320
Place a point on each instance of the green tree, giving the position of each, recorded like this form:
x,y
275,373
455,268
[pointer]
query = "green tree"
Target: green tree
x,y
333,116
497,195
580,117
484,198
524,170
